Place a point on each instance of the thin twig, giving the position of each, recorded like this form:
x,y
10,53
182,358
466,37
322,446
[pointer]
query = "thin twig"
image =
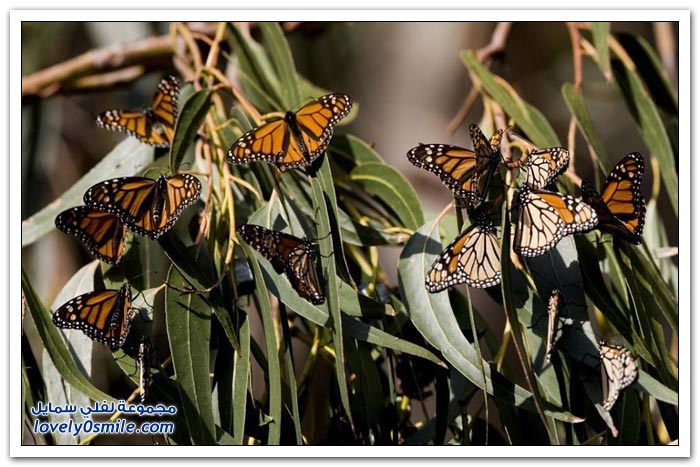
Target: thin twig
x,y
497,44
668,50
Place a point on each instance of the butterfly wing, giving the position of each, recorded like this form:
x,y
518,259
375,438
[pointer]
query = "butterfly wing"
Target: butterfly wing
x,y
621,206
177,193
454,165
154,126
101,232
487,156
316,121
544,166
552,320
165,102
620,369
289,255
267,143
301,268
545,217
474,258
104,316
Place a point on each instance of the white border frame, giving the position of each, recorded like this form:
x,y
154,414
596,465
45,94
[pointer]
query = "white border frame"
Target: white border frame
x,y
14,253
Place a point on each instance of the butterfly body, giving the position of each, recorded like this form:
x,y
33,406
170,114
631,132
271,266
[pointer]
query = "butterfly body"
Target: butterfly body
x,y
620,206
474,258
289,255
104,316
146,206
545,217
101,232
620,369
154,125
296,140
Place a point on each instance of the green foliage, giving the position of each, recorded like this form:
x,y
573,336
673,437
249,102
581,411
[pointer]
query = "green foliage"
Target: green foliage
x,y
360,363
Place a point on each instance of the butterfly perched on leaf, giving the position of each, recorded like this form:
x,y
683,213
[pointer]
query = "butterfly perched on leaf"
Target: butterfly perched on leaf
x,y
293,256
145,206
545,217
465,172
104,316
154,125
474,258
101,232
296,140
620,207
620,369
553,306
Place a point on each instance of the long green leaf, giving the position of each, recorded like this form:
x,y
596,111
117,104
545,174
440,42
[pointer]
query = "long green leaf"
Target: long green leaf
x,y
192,114
600,32
527,117
281,58
129,158
577,105
188,320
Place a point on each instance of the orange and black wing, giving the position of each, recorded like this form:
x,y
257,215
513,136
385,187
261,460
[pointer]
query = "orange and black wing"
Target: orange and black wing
x,y
454,165
316,121
620,207
290,255
146,206
487,157
545,217
268,143
101,232
474,258
154,125
103,316
544,166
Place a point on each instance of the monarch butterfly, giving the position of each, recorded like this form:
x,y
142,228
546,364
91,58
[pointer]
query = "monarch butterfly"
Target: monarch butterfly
x,y
297,139
146,206
101,232
144,368
553,306
290,255
104,316
620,371
544,166
473,257
621,207
153,125
466,173
545,217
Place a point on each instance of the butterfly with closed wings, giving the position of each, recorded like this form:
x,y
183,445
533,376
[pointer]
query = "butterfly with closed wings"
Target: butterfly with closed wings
x,y
465,172
146,206
101,232
290,255
620,369
474,258
545,217
296,140
620,207
553,306
154,125
104,316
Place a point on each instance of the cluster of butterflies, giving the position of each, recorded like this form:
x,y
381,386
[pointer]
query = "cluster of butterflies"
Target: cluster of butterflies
x,y
544,216
151,207
113,207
